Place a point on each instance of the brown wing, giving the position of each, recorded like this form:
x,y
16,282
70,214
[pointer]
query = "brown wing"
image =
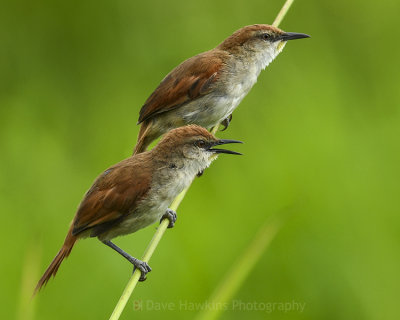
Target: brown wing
x,y
188,81
114,194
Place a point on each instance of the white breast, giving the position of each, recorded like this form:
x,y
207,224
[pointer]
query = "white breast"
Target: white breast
x,y
213,108
159,197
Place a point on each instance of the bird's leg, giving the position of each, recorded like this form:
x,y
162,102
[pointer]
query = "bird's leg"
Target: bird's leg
x,y
171,216
226,122
141,265
200,173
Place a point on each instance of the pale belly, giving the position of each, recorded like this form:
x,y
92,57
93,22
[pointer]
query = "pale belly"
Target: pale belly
x,y
213,108
155,205
141,219
210,110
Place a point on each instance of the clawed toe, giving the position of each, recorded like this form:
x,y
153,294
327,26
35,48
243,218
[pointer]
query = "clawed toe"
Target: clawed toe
x,y
171,216
226,122
144,269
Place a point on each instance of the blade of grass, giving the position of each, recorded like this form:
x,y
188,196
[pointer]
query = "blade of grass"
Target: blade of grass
x,y
30,272
242,268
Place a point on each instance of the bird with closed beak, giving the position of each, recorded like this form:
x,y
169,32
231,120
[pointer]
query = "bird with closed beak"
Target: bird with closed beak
x,y
206,88
137,191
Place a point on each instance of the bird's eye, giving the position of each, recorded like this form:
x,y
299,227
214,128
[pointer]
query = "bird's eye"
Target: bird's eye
x,y
200,143
266,36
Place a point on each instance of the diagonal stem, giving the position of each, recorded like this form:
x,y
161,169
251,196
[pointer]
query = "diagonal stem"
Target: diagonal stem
x,y
123,300
242,268
174,206
282,13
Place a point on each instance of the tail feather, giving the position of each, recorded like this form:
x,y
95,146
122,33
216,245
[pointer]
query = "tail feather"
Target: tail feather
x,y
55,264
144,138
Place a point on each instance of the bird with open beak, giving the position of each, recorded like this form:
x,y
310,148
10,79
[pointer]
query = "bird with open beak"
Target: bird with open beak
x,y
137,191
206,88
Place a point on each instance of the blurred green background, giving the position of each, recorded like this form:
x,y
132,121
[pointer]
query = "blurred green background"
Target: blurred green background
x,y
322,140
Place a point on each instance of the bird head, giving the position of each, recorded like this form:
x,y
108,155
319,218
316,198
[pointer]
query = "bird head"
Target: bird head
x,y
261,42
193,144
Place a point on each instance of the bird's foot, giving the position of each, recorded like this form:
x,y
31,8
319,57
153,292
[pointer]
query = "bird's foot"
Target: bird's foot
x,y
171,216
226,122
142,266
200,173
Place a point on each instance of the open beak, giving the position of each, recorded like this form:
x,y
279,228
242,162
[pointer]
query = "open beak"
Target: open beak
x,y
221,142
292,36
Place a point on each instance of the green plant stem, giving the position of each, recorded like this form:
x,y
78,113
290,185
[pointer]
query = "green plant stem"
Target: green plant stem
x,y
282,13
242,269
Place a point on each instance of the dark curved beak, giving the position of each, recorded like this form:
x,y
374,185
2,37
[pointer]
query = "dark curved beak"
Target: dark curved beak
x,y
221,142
292,36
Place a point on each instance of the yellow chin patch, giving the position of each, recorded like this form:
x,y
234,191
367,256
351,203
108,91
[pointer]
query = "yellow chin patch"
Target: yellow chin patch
x,y
280,45
213,156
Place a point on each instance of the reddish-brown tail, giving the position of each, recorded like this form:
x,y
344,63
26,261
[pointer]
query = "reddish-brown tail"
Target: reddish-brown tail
x,y
144,138
55,264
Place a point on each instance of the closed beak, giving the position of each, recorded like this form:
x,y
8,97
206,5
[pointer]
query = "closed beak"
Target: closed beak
x,y
221,142
292,36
